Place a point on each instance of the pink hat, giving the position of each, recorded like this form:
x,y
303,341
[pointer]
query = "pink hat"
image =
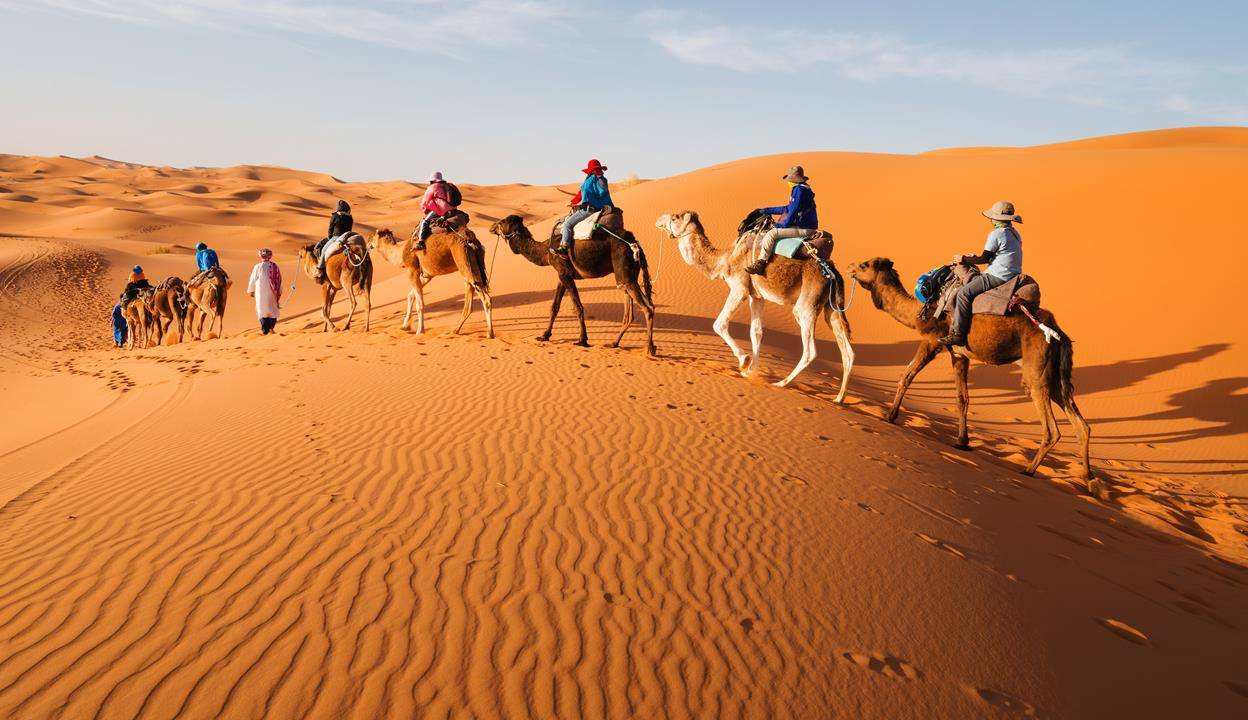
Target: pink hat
x,y
436,176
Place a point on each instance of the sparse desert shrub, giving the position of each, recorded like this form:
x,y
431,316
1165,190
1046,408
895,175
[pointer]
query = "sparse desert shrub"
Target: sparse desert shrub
x,y
160,250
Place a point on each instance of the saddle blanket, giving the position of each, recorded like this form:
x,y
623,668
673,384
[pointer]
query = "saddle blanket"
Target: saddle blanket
x,y
992,302
794,248
584,230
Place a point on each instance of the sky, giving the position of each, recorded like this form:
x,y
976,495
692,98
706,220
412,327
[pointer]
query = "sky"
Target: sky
x,y
500,91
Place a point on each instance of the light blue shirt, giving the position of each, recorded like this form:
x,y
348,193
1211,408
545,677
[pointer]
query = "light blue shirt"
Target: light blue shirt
x,y
1007,249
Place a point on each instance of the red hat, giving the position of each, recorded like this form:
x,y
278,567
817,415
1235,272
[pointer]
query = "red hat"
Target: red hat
x,y
594,167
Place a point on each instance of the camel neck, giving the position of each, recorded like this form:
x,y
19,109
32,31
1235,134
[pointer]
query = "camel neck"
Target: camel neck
x,y
697,250
523,243
889,296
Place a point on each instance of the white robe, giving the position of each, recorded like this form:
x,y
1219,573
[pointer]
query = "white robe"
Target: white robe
x,y
266,299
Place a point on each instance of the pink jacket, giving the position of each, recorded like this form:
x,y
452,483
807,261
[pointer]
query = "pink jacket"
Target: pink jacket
x,y
437,199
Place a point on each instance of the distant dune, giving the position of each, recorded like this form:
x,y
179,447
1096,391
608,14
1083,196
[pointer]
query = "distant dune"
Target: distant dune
x,y
385,525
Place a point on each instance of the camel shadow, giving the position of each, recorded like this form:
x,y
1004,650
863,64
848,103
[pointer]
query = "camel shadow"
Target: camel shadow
x,y
1220,403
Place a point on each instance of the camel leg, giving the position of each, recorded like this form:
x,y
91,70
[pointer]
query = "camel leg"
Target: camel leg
x,y
580,313
368,309
327,302
628,318
647,309
736,296
463,316
1040,396
1084,432
487,304
407,316
554,311
927,350
350,310
420,308
756,331
847,352
961,366
806,317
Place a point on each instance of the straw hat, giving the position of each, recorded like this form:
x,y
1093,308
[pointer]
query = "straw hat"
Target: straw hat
x,y
1003,210
795,175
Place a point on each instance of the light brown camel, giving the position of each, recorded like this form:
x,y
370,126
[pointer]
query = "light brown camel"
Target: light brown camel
x,y
594,258
206,299
798,283
994,340
136,311
168,304
351,270
444,253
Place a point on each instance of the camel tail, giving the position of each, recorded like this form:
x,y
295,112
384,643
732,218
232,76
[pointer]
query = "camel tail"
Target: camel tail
x,y
1062,365
476,265
646,286
838,297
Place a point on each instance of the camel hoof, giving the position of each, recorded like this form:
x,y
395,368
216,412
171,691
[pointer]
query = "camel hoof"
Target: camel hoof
x,y
543,338
1098,490
614,345
962,446
781,383
652,351
582,343
1029,472
891,419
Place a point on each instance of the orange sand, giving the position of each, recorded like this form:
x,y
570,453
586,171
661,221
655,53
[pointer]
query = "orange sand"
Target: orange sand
x,y
387,525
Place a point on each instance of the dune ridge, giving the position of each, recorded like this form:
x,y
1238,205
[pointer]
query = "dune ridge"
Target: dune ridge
x,y
370,525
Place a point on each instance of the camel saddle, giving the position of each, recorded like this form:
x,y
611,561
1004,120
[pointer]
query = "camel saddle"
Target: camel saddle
x,y
202,276
454,222
751,230
1020,290
611,220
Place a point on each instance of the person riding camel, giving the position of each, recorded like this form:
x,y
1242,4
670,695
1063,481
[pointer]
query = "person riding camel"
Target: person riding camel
x,y
438,201
595,195
1003,252
798,219
340,223
135,282
205,260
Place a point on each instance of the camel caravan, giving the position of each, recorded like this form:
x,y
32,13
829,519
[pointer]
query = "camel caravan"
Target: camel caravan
x,y
779,255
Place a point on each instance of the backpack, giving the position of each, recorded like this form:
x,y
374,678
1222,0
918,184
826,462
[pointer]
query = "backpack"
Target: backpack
x,y
929,283
456,196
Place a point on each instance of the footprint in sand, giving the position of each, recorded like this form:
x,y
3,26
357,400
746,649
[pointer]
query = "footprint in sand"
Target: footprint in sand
x,y
941,544
1123,630
886,665
958,459
1007,703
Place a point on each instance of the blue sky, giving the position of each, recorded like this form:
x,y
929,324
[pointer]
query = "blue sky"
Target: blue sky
x,y
527,90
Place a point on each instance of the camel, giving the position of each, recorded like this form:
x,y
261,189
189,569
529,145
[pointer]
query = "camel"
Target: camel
x,y
994,340
786,282
207,299
167,304
444,253
138,317
592,258
352,271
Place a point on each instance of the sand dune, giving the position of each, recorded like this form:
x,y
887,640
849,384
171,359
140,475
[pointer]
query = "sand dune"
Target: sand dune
x,y
385,525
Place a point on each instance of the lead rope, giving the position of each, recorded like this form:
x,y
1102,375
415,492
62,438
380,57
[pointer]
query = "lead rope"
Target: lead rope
x,y
852,292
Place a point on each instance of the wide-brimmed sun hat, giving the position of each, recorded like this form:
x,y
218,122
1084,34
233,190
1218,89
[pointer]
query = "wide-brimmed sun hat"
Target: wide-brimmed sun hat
x,y
1003,210
265,253
436,176
594,167
795,175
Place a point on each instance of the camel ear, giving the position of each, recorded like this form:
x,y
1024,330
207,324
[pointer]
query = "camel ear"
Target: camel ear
x,y
883,264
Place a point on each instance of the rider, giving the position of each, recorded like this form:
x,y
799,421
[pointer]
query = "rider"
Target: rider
x,y
1003,252
797,219
436,203
340,223
205,260
595,196
137,281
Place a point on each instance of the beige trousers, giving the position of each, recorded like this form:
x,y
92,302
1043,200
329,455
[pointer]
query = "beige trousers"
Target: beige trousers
x,y
767,245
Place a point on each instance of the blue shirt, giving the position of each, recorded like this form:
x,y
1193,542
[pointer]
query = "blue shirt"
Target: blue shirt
x,y
1007,253
800,212
206,259
119,325
594,192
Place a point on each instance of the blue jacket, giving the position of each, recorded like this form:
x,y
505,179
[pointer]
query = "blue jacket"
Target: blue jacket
x,y
800,212
594,192
119,325
206,259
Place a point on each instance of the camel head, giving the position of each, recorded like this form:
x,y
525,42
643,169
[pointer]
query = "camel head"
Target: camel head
x,y
869,272
307,258
509,229
678,223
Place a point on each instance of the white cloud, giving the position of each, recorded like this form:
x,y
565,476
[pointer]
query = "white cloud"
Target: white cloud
x,y
421,25
1109,76
1221,112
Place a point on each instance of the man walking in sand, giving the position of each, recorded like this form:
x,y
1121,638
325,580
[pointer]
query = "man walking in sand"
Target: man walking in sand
x,y
265,285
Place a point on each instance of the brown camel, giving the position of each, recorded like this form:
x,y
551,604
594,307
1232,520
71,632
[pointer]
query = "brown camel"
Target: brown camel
x,y
444,253
136,311
786,282
351,270
994,340
206,299
168,304
594,258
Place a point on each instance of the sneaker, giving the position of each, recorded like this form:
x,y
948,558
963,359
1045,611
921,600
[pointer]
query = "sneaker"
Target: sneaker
x,y
758,267
952,340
